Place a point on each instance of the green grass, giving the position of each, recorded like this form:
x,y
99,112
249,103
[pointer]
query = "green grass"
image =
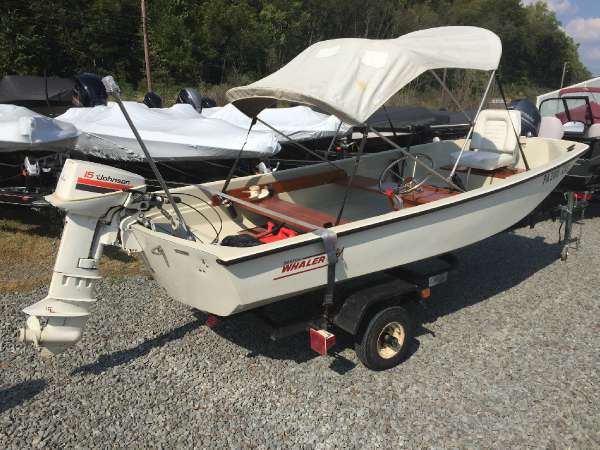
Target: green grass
x,y
29,242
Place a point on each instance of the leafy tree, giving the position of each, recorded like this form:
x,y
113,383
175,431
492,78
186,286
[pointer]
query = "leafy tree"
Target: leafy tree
x,y
216,41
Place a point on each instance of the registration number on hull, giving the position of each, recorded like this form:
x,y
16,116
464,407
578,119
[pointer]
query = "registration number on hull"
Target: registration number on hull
x,y
556,173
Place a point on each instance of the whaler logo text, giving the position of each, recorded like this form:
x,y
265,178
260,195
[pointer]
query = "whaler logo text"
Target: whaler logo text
x,y
301,265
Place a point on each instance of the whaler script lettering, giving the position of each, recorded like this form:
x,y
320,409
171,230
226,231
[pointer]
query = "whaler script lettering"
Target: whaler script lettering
x,y
304,263
301,265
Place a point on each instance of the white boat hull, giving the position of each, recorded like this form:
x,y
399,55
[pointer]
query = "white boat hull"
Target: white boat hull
x,y
394,239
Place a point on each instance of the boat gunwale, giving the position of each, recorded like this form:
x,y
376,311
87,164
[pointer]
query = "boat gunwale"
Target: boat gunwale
x,y
410,213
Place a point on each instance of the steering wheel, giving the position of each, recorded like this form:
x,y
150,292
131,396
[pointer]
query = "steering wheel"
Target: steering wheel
x,y
392,178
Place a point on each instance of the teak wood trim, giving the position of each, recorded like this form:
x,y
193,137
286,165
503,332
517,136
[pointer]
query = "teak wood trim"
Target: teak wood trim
x,y
501,173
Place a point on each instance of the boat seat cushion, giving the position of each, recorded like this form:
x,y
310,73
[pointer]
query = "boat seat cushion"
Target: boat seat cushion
x,y
484,160
494,141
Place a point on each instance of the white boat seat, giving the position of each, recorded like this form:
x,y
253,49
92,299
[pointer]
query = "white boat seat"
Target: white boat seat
x,y
551,127
494,144
593,131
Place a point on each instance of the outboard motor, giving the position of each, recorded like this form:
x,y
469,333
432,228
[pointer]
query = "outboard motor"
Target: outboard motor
x,y
208,102
152,100
89,91
87,192
192,97
530,116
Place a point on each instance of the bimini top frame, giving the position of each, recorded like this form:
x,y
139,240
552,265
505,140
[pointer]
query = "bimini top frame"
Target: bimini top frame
x,y
353,78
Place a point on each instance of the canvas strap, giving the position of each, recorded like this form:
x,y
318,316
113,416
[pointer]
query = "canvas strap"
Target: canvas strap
x,y
329,239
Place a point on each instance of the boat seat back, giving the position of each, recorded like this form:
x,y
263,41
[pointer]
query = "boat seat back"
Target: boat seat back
x,y
551,127
494,132
593,131
495,143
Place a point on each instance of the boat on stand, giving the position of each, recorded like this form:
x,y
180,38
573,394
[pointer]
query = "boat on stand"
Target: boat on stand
x,y
240,244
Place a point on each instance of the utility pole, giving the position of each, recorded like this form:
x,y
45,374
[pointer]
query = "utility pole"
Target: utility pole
x,y
146,54
562,78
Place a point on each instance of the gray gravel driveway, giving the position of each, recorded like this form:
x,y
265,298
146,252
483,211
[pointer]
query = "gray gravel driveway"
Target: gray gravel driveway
x,y
507,356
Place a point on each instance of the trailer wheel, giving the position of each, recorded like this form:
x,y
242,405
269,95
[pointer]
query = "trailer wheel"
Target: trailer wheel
x,y
385,339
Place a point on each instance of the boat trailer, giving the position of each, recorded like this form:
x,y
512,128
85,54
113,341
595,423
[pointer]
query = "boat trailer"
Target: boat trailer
x,y
377,311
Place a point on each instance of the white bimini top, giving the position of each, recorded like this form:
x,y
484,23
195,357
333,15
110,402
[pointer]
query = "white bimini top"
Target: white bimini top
x,y
353,78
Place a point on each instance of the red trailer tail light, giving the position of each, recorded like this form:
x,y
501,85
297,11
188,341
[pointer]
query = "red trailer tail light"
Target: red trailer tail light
x,y
321,341
212,321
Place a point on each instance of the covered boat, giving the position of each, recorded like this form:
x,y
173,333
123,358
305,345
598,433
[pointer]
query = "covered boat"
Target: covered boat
x,y
177,133
242,243
45,95
24,130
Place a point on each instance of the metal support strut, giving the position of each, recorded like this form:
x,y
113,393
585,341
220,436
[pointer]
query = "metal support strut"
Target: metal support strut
x,y
112,88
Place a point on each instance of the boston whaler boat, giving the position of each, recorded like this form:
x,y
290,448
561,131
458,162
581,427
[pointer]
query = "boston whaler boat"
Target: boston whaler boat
x,y
242,243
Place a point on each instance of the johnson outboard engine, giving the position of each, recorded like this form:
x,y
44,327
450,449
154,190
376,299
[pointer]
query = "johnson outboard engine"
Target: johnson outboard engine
x,y
530,116
89,91
93,196
152,100
192,97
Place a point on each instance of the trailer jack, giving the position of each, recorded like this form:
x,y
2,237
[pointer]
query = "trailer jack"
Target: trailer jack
x,y
576,204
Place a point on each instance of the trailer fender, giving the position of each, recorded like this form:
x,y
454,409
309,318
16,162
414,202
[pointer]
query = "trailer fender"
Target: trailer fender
x,y
356,306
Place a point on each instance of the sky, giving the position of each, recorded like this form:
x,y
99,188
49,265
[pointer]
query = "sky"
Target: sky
x,y
581,20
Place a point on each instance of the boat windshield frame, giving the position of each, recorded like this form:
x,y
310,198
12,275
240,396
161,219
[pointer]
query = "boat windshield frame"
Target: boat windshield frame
x,y
567,110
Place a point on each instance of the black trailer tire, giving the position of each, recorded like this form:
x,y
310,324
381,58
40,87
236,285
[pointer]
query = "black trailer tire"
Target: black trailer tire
x,y
385,339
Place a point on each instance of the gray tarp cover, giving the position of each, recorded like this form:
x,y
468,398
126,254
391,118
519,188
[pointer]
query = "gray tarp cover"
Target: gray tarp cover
x,y
16,89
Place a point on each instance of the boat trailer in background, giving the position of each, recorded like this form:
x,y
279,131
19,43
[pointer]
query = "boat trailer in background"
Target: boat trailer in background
x,y
572,213
568,207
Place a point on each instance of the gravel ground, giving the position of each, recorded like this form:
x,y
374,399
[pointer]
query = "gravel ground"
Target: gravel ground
x,y
507,356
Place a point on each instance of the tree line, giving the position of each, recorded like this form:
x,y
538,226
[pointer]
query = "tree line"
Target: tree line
x,y
237,41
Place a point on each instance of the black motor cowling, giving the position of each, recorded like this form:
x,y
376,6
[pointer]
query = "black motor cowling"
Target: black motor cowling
x,y
89,91
530,116
152,100
192,97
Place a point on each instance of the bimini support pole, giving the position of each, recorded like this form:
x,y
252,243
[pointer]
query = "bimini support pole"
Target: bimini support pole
x,y
236,163
468,138
447,91
112,88
352,175
501,89
296,143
